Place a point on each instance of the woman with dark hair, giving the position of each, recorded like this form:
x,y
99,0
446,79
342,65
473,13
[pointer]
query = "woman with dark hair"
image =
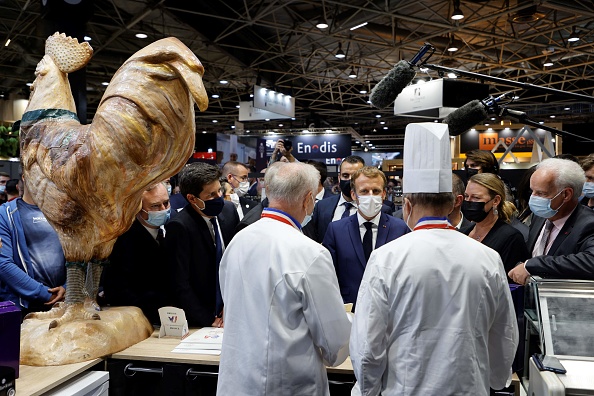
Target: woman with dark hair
x,y
485,204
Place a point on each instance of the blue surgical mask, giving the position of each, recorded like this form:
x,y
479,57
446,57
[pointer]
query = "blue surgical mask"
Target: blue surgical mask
x,y
588,190
158,218
2,188
541,207
307,217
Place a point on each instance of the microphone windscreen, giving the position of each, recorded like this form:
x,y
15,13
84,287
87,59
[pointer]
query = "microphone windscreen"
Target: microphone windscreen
x,y
386,91
465,117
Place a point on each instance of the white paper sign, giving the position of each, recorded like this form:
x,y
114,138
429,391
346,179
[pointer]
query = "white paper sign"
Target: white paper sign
x,y
173,322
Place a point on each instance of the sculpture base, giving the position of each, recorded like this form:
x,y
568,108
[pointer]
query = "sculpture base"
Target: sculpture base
x,y
79,341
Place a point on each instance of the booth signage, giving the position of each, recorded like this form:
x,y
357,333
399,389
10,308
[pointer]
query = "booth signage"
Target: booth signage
x,y
316,147
275,102
487,140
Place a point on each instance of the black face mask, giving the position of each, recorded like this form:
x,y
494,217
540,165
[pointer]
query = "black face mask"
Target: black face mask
x,y
345,187
212,207
471,172
474,211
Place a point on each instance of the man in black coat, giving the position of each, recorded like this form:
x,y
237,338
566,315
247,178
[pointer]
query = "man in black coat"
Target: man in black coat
x,y
236,174
196,238
135,274
561,235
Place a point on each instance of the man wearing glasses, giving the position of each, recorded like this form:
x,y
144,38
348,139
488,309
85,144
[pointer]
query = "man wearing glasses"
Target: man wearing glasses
x,y
236,174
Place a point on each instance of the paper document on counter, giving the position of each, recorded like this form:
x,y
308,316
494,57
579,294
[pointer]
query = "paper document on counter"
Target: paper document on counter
x,y
206,341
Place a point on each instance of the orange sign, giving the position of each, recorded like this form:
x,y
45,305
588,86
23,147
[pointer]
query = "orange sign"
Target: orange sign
x,y
488,140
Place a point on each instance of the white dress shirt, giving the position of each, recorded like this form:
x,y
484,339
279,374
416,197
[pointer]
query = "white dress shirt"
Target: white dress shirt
x,y
374,227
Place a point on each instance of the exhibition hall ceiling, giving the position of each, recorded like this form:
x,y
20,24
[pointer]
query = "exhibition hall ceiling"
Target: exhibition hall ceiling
x,y
278,44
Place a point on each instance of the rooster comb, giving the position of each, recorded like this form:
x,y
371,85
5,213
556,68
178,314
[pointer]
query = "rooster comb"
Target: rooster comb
x,y
68,54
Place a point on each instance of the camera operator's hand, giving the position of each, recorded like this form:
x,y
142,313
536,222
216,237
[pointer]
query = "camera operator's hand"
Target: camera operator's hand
x,y
280,146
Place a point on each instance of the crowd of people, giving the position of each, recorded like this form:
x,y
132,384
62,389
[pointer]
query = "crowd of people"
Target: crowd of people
x,y
430,278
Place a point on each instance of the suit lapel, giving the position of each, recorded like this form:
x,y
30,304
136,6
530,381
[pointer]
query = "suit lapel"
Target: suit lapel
x,y
535,227
382,231
355,235
564,233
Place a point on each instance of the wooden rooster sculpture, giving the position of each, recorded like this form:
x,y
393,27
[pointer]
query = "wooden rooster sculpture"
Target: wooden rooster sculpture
x,y
88,179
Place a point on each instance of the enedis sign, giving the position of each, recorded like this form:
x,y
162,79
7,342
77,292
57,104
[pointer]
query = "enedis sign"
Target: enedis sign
x,y
488,140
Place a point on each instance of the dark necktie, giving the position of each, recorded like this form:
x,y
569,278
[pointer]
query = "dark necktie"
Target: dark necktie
x,y
368,240
347,209
219,249
160,237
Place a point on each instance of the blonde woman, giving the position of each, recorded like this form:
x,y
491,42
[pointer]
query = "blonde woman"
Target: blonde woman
x,y
485,205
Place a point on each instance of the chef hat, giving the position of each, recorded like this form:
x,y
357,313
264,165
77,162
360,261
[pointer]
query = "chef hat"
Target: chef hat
x,y
427,158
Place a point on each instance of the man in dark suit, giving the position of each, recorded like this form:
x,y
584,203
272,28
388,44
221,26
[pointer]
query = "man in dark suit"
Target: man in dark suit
x,y
337,206
561,235
352,239
196,239
456,218
236,174
135,274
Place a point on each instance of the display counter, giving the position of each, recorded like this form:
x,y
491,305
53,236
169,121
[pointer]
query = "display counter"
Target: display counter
x,y
35,381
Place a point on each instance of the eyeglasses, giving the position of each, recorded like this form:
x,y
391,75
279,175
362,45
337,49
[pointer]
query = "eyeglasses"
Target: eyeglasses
x,y
240,178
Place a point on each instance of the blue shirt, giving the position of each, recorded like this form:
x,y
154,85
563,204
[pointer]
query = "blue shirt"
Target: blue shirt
x,y
46,252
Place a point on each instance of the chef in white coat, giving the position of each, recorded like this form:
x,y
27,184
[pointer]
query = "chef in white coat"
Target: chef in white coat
x,y
284,316
434,311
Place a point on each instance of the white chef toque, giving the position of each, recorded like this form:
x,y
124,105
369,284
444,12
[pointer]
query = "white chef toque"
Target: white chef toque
x,y
427,159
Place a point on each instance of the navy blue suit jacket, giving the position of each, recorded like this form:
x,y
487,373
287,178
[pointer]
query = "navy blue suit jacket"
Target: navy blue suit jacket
x,y
343,240
322,216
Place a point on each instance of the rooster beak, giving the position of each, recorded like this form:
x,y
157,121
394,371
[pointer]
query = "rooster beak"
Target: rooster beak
x,y
192,77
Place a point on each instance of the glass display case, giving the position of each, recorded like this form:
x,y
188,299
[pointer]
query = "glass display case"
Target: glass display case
x,y
560,322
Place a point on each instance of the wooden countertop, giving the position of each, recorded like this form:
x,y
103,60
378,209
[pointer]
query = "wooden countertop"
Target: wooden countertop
x,y
157,349
34,381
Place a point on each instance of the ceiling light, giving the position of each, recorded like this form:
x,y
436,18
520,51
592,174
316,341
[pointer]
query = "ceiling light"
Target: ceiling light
x,y
553,116
322,24
385,127
7,43
378,116
223,82
87,38
567,108
29,84
141,35
547,62
363,91
215,121
457,14
203,131
452,48
340,53
215,96
267,119
238,106
452,75
353,73
573,37
105,83
382,122
358,26
232,126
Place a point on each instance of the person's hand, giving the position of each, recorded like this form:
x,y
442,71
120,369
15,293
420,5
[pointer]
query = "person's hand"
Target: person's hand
x,y
519,274
57,295
280,146
218,321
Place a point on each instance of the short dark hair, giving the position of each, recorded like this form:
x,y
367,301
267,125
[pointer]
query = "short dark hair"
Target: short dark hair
x,y
193,177
11,187
352,159
4,174
438,201
587,162
321,167
485,159
457,185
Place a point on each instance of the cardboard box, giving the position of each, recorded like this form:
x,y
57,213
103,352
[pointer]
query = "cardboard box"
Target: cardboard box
x,y
10,336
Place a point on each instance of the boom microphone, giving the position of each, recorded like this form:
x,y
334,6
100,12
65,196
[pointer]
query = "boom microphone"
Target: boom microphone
x,y
470,114
386,91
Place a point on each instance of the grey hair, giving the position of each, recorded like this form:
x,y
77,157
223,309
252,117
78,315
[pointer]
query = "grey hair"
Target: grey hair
x,y
291,182
567,174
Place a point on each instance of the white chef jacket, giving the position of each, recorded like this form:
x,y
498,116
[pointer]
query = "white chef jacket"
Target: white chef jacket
x,y
434,317
284,316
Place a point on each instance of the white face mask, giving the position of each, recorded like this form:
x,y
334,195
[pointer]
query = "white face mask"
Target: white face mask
x,y
234,198
263,194
369,205
242,189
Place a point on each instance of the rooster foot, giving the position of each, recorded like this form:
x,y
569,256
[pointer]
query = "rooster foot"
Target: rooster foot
x,y
73,313
91,304
57,310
